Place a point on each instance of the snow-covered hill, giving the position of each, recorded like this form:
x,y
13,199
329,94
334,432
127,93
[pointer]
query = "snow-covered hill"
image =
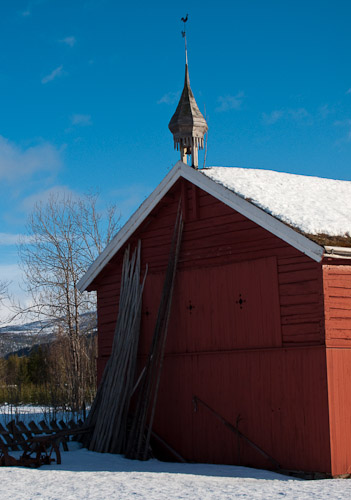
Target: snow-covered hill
x,y
22,338
15,338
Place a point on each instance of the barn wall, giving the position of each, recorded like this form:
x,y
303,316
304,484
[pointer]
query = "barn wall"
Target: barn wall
x,y
277,396
262,358
337,286
214,235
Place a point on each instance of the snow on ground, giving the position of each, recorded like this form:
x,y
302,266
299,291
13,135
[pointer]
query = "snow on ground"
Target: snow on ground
x,y
27,413
311,204
86,475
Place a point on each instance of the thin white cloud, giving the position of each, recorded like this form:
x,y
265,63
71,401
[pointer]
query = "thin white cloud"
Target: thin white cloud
x,y
298,114
343,123
129,198
18,163
8,239
26,13
12,274
346,124
69,40
324,111
54,74
226,103
169,98
83,120
29,202
273,117
348,91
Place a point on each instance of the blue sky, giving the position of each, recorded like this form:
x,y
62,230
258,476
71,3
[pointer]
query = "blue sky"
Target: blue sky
x,y
87,89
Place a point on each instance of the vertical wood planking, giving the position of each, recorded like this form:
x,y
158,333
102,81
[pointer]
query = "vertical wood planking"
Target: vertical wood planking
x,y
339,376
273,391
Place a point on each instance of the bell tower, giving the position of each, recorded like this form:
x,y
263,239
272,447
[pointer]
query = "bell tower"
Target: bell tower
x,y
188,125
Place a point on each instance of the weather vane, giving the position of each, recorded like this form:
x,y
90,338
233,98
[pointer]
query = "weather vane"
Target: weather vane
x,y
184,20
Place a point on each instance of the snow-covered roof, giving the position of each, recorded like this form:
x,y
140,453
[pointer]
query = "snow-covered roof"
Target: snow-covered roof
x,y
312,205
289,206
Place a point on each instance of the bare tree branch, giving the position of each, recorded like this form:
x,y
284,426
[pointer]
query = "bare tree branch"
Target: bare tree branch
x,y
64,236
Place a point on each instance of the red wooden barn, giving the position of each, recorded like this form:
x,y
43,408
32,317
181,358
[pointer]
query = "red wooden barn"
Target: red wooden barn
x,y
260,328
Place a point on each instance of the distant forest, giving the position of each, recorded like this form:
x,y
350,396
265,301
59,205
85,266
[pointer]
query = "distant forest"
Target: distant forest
x,y
43,377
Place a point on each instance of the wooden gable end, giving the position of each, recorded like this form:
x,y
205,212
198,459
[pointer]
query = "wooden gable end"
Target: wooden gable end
x,y
225,257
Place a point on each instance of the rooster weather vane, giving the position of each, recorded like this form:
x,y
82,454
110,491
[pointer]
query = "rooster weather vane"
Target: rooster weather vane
x,y
184,20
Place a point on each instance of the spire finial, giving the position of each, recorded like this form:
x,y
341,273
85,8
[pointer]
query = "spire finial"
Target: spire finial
x,y
184,20
188,125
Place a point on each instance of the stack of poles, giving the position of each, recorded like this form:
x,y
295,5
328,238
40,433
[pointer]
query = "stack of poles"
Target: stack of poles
x,y
138,443
109,412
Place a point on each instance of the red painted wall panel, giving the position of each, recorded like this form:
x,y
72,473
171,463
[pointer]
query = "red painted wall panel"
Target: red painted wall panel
x,y
337,297
280,396
339,377
216,308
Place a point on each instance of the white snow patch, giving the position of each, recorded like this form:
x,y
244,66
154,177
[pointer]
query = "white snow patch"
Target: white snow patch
x,y
87,475
311,204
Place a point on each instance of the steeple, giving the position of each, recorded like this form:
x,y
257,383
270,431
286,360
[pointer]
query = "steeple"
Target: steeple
x,y
188,125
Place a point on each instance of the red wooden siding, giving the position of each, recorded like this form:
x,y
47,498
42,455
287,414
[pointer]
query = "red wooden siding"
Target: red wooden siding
x,y
337,291
339,390
280,395
264,361
218,308
337,296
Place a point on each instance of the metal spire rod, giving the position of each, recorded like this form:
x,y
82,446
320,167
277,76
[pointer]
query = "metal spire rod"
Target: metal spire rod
x,y
184,20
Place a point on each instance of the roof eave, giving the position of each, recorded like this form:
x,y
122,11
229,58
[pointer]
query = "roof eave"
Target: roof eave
x,y
337,252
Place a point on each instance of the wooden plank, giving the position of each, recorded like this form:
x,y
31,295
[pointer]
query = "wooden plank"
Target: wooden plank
x,y
63,425
34,428
302,339
294,259
17,435
224,219
45,427
302,288
7,437
299,318
333,292
311,299
338,341
298,276
339,313
24,429
339,281
302,308
298,266
334,302
312,328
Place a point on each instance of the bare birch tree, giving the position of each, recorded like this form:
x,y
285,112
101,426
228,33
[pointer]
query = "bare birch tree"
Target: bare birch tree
x,y
66,234
4,294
